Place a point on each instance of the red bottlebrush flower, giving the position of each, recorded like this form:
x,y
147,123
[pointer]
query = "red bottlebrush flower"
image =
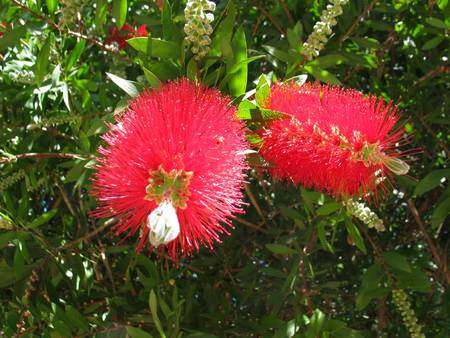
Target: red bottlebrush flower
x,y
126,32
337,140
173,168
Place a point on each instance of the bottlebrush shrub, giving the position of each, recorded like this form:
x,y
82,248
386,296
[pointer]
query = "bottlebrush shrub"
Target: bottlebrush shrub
x,y
336,140
173,168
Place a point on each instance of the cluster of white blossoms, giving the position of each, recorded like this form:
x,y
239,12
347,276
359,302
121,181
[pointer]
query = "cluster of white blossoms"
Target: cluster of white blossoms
x,y
364,214
322,29
400,299
70,10
198,26
23,77
6,182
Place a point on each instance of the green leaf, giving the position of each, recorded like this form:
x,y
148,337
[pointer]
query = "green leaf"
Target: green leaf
x,y
12,37
281,249
127,86
355,235
169,28
397,261
41,65
433,43
76,318
327,61
151,78
119,11
44,218
244,110
75,55
7,276
159,48
440,213
51,5
431,181
328,208
416,280
321,232
435,22
153,303
7,237
134,332
101,13
238,82
322,74
221,41
295,35
262,91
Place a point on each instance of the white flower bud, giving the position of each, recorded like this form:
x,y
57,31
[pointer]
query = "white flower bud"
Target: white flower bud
x,y
163,224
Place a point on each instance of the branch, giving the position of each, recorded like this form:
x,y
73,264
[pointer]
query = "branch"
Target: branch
x,y
431,246
85,237
286,11
268,16
39,156
355,23
51,23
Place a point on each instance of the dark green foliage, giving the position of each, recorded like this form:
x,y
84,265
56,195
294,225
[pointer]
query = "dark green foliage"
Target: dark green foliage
x,y
297,264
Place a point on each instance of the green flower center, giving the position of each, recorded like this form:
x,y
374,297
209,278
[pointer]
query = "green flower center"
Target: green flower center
x,y
169,186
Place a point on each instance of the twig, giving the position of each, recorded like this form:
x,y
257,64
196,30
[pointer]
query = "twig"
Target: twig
x,y
251,225
431,246
85,237
254,202
286,11
51,23
270,17
14,158
355,23
432,73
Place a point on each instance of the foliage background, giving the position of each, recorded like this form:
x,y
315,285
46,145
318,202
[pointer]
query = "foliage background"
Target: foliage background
x,y
297,265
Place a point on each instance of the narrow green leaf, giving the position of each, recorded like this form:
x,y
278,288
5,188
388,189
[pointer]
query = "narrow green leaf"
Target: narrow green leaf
x,y
119,11
440,213
433,43
76,318
151,78
159,48
51,5
44,218
153,303
134,332
12,37
40,69
396,261
281,249
355,235
431,181
75,55
262,91
169,28
127,86
435,22
328,208
101,13
238,82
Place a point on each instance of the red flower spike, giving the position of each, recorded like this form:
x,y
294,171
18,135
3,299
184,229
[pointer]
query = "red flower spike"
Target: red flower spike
x,y
164,173
337,140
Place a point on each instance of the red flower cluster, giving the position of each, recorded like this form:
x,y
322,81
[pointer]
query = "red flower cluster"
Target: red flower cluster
x,y
173,168
126,32
3,27
337,140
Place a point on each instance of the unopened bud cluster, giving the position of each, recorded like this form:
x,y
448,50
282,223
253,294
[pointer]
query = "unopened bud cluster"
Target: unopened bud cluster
x,y
364,214
70,10
23,77
5,183
400,299
5,223
322,29
198,26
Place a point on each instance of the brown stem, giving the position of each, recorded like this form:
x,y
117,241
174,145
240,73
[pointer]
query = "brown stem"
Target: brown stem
x,y
254,202
357,21
68,31
14,158
431,245
286,11
85,237
270,17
